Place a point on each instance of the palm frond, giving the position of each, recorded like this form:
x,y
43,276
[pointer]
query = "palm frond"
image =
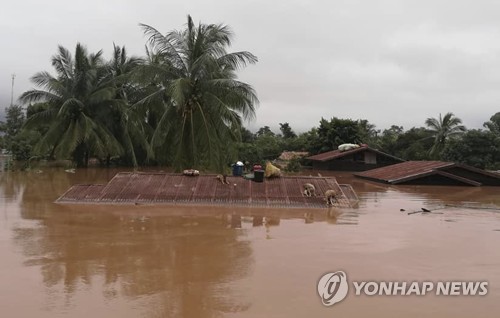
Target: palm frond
x,y
237,60
63,63
41,118
70,106
101,95
163,45
34,95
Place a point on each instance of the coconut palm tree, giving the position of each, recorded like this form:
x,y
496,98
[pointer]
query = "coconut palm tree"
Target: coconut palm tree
x,y
128,125
201,103
442,129
494,124
79,98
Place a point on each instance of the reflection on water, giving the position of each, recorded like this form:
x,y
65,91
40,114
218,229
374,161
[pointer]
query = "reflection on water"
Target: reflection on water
x,y
136,257
131,261
4,162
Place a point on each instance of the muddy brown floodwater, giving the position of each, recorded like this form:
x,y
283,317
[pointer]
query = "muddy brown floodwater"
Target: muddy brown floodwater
x,y
69,261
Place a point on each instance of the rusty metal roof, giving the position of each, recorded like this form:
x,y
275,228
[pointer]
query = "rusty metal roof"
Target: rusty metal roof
x,y
413,170
334,154
164,188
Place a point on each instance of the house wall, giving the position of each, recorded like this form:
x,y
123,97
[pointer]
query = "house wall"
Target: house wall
x,y
435,179
370,157
339,165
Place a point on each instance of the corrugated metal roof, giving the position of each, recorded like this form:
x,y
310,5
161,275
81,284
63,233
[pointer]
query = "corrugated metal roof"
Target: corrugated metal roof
x,y
334,154
403,170
163,188
411,170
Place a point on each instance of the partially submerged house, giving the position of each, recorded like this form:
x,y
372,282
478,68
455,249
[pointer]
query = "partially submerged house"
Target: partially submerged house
x,y
358,159
158,188
432,173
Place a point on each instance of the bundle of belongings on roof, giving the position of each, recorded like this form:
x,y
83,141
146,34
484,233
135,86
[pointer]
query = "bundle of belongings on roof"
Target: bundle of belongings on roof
x,y
345,147
271,171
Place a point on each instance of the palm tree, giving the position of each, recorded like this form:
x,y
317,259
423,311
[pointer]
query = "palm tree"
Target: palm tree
x,y
128,125
198,99
79,98
443,129
494,124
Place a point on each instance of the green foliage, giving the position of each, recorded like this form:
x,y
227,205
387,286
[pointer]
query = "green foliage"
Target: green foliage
x,y
367,133
246,135
14,122
249,152
22,144
264,131
443,129
293,165
262,146
265,145
494,124
287,131
79,101
269,146
331,134
389,138
477,148
17,141
128,125
198,103
413,144
299,143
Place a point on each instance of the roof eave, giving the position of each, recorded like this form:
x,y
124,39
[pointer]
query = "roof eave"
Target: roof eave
x,y
476,170
352,151
438,172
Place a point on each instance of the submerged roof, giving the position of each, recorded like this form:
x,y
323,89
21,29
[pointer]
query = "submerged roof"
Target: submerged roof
x,y
165,188
334,154
435,172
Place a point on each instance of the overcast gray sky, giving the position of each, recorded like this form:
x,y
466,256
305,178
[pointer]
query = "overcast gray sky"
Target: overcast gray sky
x,y
388,61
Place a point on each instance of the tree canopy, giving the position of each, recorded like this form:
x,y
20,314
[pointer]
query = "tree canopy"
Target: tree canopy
x,y
442,129
181,105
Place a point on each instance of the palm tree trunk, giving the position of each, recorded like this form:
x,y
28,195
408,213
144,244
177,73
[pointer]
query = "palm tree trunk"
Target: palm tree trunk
x,y
86,159
79,156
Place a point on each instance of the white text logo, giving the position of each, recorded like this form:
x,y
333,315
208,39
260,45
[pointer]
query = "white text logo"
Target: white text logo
x,y
333,287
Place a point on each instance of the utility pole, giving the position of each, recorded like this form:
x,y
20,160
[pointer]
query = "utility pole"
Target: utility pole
x,y
12,91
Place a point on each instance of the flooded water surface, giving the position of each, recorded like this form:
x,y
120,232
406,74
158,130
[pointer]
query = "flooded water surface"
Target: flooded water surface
x,y
140,261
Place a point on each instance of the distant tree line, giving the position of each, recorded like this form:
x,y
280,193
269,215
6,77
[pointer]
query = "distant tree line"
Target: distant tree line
x,y
442,138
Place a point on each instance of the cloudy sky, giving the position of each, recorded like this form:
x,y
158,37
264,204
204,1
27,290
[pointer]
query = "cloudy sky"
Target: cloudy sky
x,y
388,61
